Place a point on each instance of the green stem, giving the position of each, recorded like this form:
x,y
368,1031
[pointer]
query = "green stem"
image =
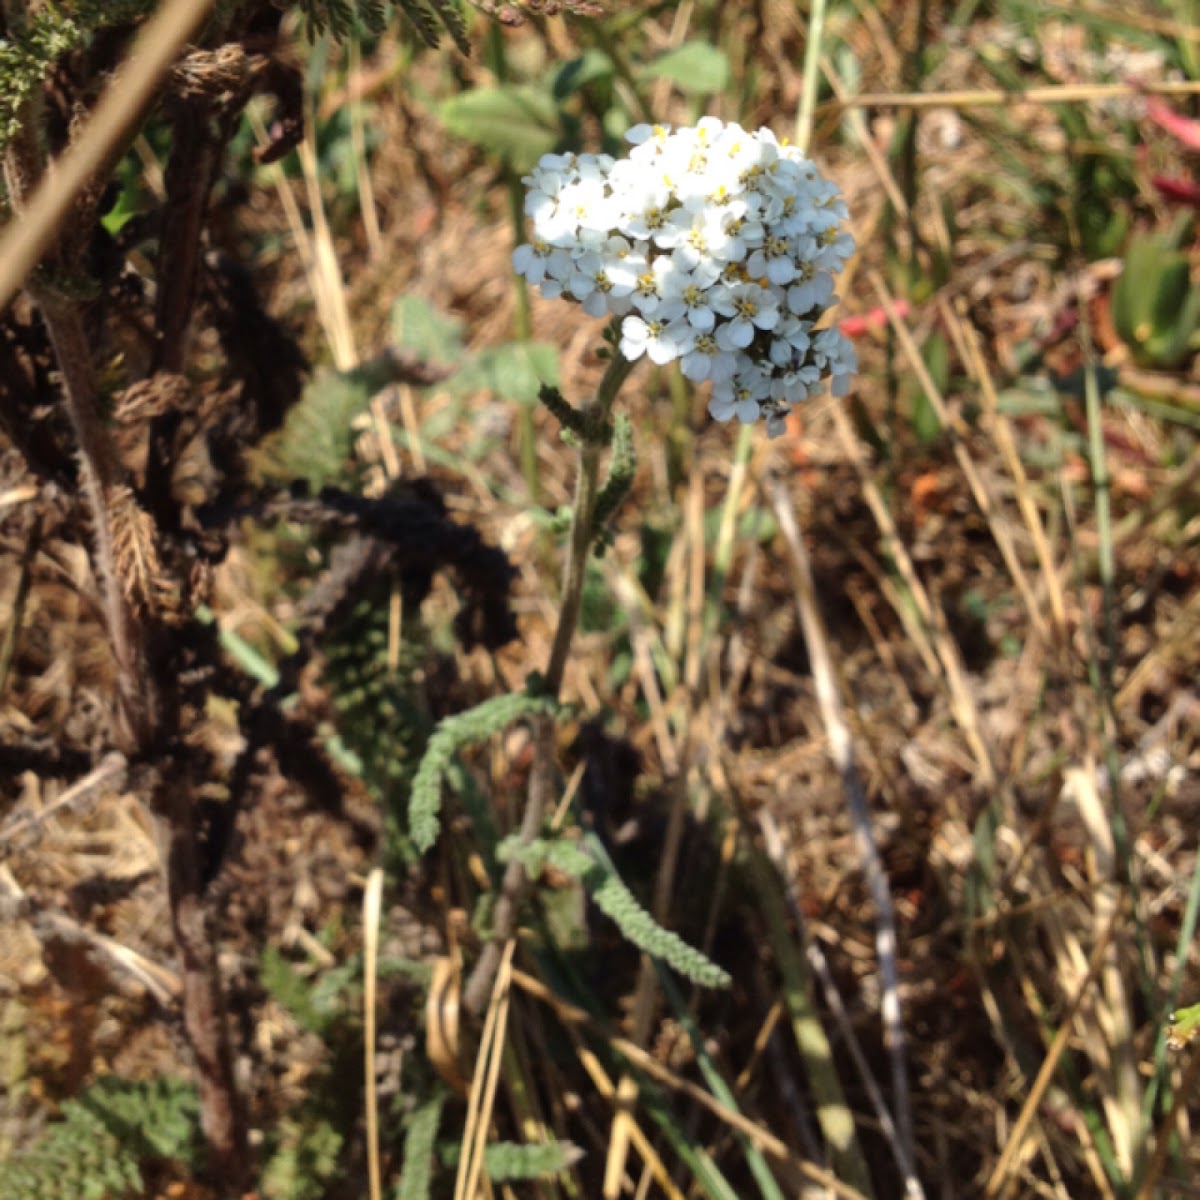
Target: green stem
x,y
582,531
543,777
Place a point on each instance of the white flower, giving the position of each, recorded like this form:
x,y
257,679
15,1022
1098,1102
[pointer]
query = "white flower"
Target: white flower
x,y
717,248
774,259
689,294
661,341
747,307
706,360
650,284
603,278
537,259
789,341
739,397
815,290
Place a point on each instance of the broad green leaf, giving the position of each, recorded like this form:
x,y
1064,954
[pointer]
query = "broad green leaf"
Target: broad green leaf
x,y
420,329
513,371
696,67
516,123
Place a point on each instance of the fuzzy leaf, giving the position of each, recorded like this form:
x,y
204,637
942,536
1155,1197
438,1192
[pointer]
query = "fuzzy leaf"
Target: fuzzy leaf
x,y
416,1173
425,332
515,371
579,72
504,1162
697,68
517,123
616,901
467,728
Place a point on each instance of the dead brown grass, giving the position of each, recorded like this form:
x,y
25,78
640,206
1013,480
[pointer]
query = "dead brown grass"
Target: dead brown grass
x,y
965,627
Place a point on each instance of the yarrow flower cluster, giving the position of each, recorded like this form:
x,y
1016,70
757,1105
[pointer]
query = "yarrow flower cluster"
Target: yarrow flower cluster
x,y
719,249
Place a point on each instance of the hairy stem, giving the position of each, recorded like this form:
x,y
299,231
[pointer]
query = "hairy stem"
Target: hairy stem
x,y
543,778
100,473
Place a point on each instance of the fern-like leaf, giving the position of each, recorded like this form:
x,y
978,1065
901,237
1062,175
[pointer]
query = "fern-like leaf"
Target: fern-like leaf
x,y
465,729
304,1163
416,1174
456,27
617,902
506,1162
423,21
49,33
98,1147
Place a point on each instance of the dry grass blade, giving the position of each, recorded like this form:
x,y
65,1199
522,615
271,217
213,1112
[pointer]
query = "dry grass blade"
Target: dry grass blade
x,y
842,752
828,1101
764,1140
160,982
874,155
814,956
997,97
930,631
951,422
1001,1175
372,907
1001,431
624,1101
485,1079
108,777
1172,1121
604,1085
1114,1020
336,310
315,248
16,607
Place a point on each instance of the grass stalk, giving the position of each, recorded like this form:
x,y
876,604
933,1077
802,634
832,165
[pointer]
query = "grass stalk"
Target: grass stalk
x,y
842,752
812,74
1005,98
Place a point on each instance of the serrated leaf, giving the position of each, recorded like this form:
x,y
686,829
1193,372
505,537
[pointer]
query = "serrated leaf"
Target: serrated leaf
x,y
513,371
420,329
317,435
695,67
517,123
509,1161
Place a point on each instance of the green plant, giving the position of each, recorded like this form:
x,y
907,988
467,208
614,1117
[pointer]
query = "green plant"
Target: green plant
x,y
589,864
1156,303
104,1139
